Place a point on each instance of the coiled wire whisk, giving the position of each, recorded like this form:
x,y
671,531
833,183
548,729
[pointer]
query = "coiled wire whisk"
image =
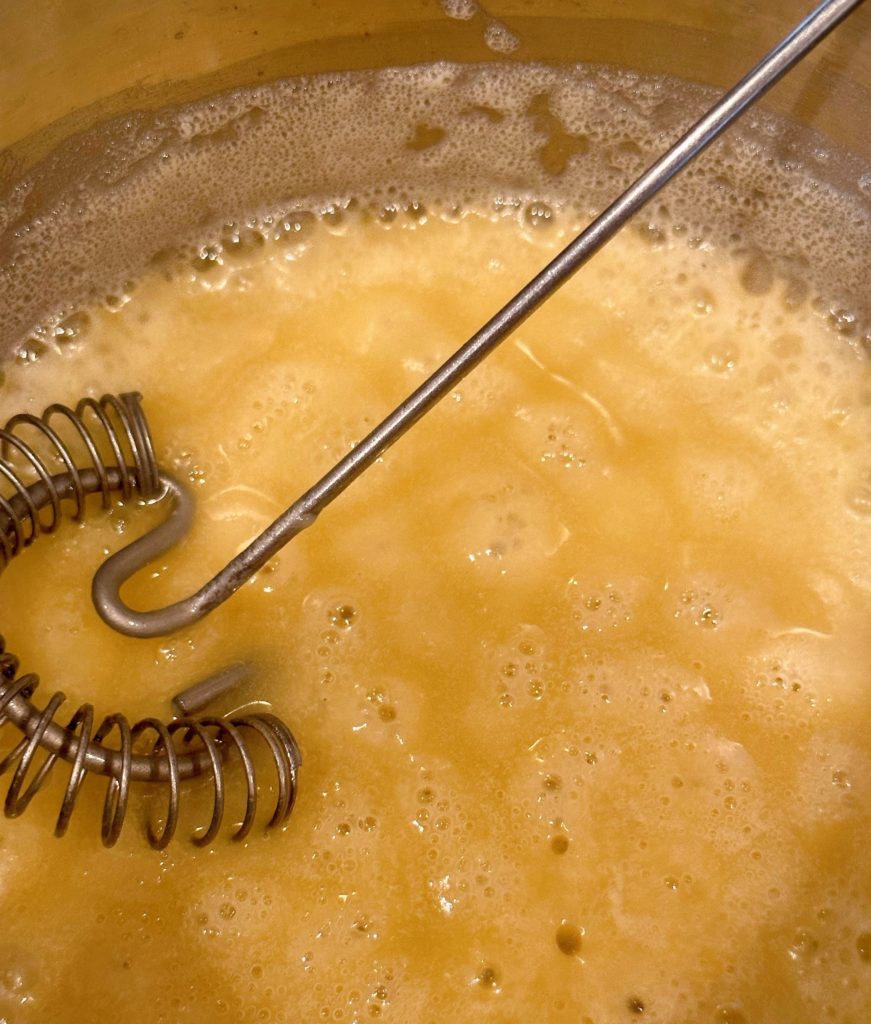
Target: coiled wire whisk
x,y
104,447
124,431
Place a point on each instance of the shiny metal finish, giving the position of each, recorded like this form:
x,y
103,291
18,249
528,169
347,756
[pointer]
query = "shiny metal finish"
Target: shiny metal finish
x,y
200,694
303,512
33,501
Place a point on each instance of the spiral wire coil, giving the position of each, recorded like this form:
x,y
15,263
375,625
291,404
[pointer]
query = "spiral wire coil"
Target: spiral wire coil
x,y
105,447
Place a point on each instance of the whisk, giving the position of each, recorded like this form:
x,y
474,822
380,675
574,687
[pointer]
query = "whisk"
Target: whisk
x,y
105,448
119,459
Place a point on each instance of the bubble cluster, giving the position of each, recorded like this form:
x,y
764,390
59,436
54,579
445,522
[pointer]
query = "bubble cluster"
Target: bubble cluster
x,y
499,38
149,185
460,10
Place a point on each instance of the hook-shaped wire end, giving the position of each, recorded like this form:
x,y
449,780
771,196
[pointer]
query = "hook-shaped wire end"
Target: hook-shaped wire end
x,y
117,569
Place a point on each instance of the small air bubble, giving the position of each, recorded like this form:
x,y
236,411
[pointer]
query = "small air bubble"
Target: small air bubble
x,y
241,242
652,234
844,321
294,228
803,946
488,978
569,939
415,212
559,844
709,617
721,358
387,214
702,302
535,689
71,327
208,258
538,215
343,616
334,219
31,351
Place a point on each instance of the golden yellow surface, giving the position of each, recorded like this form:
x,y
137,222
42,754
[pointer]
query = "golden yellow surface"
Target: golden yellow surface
x,y
579,670
68,66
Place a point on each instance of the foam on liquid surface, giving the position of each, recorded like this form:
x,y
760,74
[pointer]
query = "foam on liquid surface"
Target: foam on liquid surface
x,y
579,669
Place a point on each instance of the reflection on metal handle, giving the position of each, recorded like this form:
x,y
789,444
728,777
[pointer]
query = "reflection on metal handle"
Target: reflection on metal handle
x,y
304,511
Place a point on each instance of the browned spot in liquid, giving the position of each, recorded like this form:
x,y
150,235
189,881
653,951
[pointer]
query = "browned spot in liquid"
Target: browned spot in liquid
x,y
426,136
728,1015
559,843
569,939
561,145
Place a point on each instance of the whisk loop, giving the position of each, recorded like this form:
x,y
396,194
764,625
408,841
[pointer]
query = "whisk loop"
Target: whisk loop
x,y
111,453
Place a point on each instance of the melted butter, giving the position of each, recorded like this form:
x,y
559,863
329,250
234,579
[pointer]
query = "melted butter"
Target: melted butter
x,y
579,669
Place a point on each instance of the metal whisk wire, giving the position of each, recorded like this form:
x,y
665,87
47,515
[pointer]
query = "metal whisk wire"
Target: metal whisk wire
x,y
111,453
121,425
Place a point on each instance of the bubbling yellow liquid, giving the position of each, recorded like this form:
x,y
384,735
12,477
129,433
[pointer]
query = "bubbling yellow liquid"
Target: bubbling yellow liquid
x,y
579,669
